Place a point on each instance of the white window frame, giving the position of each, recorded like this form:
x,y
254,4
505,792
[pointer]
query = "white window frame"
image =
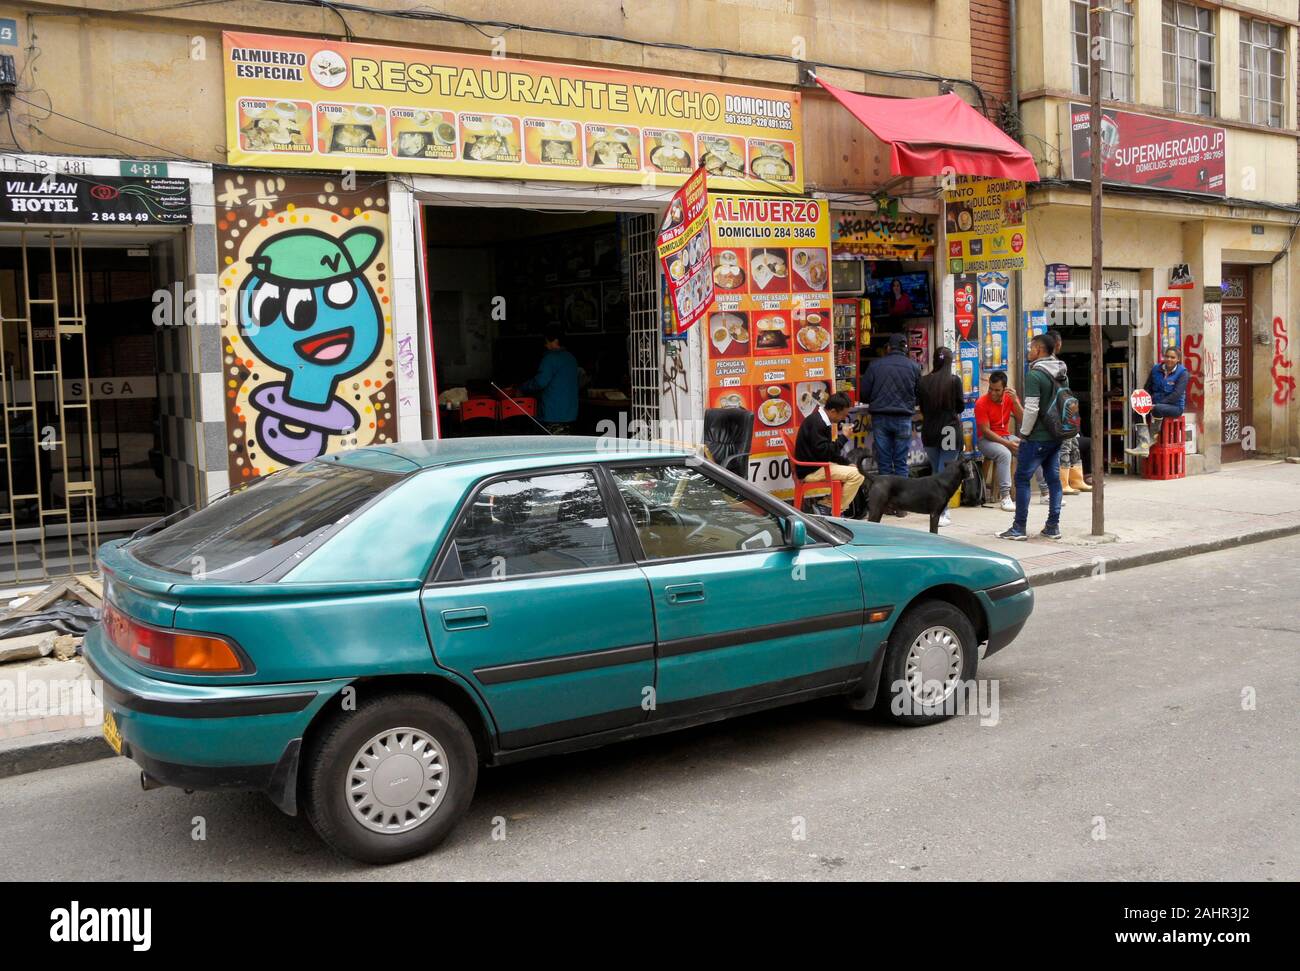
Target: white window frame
x,y
1117,54
1188,36
1262,40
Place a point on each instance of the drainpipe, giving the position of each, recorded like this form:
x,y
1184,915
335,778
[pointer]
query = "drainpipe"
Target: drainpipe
x,y
1013,96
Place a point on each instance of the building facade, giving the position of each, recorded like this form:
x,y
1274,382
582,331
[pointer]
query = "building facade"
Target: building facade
x,y
1199,132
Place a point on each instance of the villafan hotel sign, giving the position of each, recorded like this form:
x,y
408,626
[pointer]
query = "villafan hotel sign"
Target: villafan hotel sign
x,y
301,102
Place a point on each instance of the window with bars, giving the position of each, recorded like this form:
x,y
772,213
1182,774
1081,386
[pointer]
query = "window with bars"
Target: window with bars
x,y
1263,73
1187,40
1116,48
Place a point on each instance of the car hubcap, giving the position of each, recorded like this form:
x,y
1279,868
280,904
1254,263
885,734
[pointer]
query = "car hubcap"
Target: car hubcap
x,y
396,780
934,664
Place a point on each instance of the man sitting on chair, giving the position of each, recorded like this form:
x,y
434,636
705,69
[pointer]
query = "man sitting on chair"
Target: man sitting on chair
x,y
821,438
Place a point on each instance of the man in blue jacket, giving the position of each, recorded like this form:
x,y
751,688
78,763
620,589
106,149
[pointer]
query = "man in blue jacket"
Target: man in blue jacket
x,y
890,388
556,385
1168,387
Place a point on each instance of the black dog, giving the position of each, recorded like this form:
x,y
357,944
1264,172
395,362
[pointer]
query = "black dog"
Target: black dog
x,y
929,495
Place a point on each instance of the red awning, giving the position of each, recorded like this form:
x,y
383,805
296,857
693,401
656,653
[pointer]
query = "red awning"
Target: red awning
x,y
939,135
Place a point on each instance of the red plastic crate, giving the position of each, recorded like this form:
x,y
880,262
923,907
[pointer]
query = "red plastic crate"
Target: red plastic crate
x,y
473,408
1165,462
1173,431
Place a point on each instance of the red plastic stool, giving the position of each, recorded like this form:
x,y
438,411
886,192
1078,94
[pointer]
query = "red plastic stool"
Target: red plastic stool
x,y
1173,431
1165,462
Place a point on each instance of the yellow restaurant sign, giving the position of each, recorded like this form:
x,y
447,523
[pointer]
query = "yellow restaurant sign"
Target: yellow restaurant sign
x,y
300,102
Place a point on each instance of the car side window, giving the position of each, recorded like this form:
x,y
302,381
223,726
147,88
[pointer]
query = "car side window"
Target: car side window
x,y
533,524
679,511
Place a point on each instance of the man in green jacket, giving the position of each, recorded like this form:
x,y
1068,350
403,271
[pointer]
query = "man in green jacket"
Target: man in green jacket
x,y
1038,447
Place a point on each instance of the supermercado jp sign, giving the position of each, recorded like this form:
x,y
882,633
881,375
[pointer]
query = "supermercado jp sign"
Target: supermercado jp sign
x,y
317,103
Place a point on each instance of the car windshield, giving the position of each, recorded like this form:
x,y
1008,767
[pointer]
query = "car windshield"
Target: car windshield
x,y
249,533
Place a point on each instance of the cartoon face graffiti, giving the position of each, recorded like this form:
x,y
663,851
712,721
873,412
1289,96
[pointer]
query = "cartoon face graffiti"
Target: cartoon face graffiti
x,y
308,310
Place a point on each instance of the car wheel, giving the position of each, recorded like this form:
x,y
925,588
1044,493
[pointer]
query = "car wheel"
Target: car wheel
x,y
931,652
389,781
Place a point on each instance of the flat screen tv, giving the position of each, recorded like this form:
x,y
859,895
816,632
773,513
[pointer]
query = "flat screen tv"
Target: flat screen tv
x,y
901,295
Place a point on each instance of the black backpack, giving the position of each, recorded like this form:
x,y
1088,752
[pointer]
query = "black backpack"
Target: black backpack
x,y
972,487
1061,416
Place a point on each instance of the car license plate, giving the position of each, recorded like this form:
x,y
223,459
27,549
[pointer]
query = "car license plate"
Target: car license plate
x,y
111,734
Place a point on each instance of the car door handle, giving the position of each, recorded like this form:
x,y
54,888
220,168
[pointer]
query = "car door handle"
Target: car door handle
x,y
684,593
465,618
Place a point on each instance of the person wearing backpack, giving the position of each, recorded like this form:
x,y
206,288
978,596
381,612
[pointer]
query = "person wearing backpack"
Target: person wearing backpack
x,y
1047,422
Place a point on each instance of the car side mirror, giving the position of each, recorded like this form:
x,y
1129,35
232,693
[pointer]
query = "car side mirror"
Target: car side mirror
x,y
796,533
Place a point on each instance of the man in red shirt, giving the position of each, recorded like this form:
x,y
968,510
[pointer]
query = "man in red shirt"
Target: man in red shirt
x,y
993,413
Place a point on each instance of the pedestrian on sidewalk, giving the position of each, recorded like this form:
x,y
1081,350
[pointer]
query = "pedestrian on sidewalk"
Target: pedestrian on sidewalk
x,y
1167,385
1038,447
890,389
994,411
942,402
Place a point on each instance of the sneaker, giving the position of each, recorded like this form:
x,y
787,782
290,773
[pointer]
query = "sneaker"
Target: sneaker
x,y
1008,504
1044,499
1013,534
944,520
1051,532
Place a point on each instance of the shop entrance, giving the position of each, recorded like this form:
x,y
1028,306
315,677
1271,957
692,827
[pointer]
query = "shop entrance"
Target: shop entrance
x,y
502,280
1236,358
1120,313
81,422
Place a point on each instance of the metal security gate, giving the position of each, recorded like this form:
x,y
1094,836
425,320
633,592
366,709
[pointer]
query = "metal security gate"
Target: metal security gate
x,y
1236,361
644,306
48,518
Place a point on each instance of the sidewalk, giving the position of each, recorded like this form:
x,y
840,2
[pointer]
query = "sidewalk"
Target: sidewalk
x,y
57,719
1146,521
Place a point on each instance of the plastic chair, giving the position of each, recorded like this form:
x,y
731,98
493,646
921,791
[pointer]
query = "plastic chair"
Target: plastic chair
x,y
517,414
478,416
803,487
728,434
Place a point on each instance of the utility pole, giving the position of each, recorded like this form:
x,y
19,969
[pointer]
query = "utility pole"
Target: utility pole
x,y
1097,386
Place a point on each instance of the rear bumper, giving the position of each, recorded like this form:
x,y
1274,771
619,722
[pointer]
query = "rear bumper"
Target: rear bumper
x,y
208,736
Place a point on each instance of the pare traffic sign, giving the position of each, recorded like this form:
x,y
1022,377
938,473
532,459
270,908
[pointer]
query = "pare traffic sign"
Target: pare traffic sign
x,y
1141,402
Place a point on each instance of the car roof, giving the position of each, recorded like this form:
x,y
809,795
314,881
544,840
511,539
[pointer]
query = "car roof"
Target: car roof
x,y
462,451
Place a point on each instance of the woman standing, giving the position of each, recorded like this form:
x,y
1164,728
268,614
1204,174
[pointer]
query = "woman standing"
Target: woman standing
x,y
941,402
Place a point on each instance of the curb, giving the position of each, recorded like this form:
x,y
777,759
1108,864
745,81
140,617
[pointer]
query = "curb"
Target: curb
x,y
1077,571
51,750
75,746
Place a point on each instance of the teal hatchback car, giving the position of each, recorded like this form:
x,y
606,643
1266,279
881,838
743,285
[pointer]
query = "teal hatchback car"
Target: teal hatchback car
x,y
357,635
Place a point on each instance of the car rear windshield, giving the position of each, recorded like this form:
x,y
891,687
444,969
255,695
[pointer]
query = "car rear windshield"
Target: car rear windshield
x,y
249,533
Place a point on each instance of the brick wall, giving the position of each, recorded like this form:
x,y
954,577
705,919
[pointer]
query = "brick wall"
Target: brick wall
x,y
990,51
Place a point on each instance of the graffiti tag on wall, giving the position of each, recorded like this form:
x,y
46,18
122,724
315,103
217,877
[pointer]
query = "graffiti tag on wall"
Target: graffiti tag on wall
x,y
1283,380
306,323
1195,375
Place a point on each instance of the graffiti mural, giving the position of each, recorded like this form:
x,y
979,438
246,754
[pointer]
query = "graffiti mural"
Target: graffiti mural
x,y
306,325
1283,380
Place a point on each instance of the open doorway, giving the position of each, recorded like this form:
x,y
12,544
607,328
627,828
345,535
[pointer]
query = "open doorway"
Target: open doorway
x,y
90,395
503,280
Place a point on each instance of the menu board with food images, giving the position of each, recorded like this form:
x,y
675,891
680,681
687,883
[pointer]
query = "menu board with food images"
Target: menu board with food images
x,y
319,103
685,251
768,333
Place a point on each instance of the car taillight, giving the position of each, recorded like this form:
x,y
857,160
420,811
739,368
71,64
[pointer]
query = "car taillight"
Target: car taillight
x,y
177,650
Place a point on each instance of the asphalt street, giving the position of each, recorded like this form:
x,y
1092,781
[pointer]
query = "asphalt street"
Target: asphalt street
x,y
1146,730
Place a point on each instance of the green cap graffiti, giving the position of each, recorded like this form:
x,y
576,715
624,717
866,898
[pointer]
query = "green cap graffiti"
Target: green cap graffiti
x,y
312,257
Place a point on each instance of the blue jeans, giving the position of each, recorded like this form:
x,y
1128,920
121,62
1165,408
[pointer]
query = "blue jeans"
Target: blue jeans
x,y
1031,456
892,436
1166,411
939,459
